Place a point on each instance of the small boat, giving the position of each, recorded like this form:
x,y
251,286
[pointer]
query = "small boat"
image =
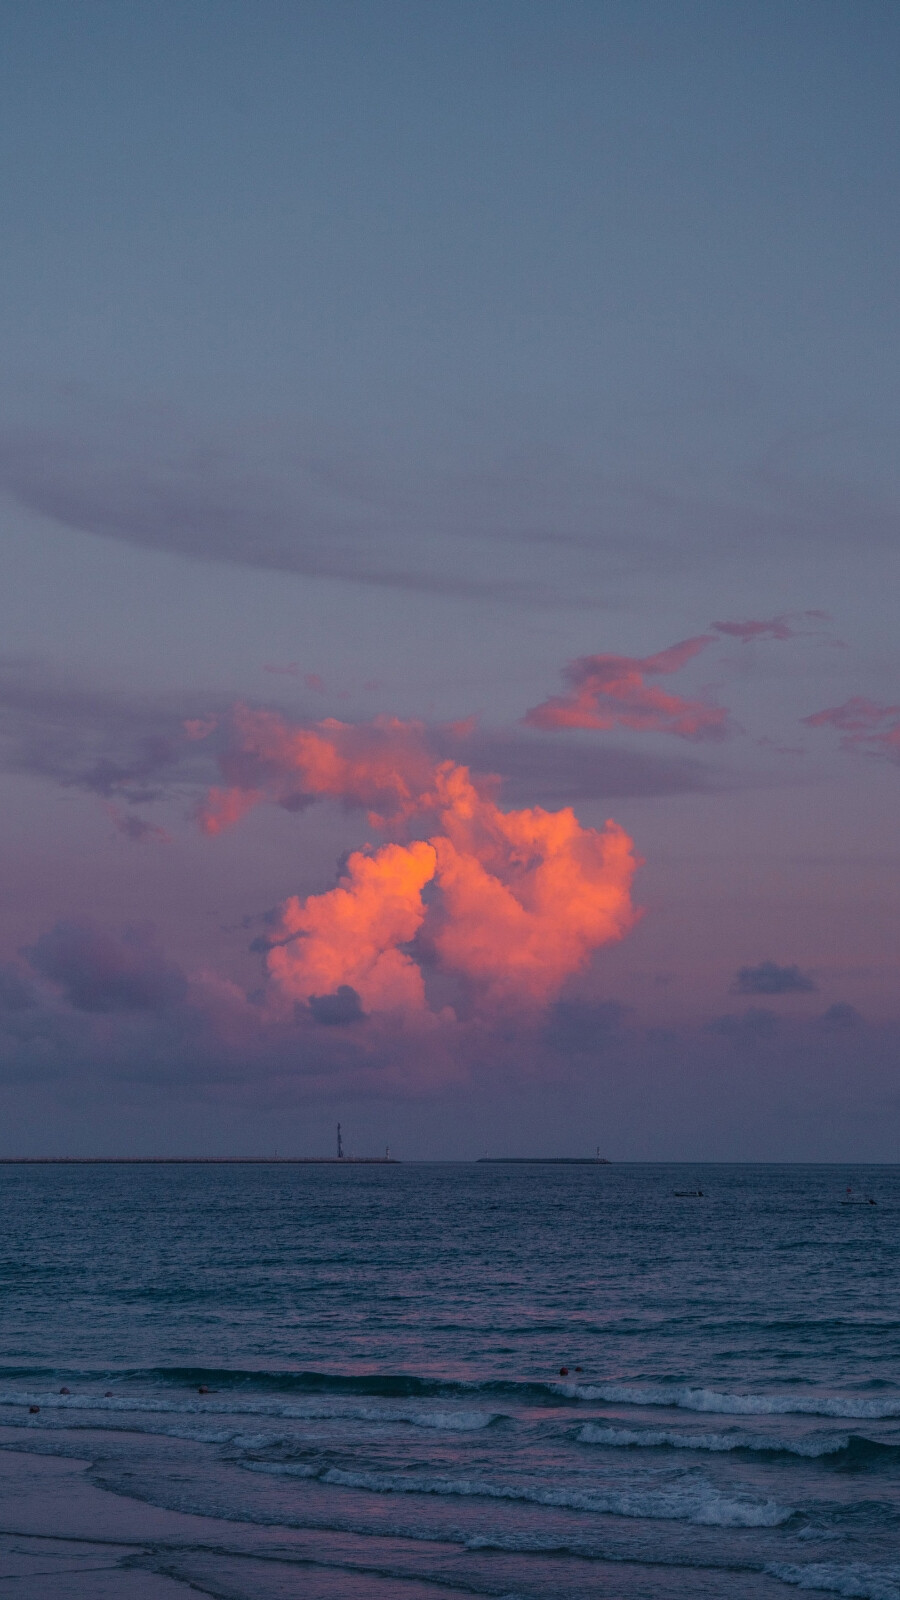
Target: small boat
x,y
689,1194
852,1199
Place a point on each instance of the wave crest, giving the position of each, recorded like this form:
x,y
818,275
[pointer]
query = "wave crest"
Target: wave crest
x,y
737,1405
692,1500
856,1580
672,1438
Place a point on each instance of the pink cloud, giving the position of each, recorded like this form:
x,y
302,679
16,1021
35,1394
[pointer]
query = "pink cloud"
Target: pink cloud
x,y
864,725
383,766
608,691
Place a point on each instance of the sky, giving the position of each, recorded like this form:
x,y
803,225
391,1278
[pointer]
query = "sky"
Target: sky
x,y
449,505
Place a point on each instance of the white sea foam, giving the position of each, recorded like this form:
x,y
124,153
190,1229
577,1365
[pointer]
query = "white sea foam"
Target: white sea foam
x,y
690,1500
655,1438
737,1405
856,1579
417,1416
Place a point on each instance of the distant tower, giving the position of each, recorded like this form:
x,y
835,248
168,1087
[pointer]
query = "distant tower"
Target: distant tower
x,y
340,1154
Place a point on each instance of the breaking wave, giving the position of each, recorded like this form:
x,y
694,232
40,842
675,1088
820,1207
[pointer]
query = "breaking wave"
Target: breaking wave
x,y
812,1447
856,1580
692,1500
739,1405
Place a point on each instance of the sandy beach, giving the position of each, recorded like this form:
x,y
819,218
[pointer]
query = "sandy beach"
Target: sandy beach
x,y
62,1537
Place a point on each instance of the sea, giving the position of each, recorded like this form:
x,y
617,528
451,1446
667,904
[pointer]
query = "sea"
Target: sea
x,y
530,1381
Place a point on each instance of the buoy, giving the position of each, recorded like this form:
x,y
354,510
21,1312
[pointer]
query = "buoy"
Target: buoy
x,y
64,1390
564,1372
203,1389
107,1394
34,1410
579,1369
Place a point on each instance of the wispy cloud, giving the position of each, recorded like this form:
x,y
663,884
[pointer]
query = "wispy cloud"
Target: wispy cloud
x,y
134,827
535,768
864,726
123,747
211,505
792,625
775,628
609,691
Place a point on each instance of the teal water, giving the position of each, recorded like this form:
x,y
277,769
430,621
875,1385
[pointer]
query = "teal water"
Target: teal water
x,y
382,1348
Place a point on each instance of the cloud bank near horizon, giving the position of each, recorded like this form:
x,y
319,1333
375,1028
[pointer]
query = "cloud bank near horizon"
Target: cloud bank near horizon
x,y
99,1018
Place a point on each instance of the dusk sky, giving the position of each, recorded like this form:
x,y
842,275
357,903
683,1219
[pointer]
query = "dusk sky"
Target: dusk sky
x,y
450,677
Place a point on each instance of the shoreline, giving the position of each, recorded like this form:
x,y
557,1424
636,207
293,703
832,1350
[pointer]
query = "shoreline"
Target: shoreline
x,y
62,1535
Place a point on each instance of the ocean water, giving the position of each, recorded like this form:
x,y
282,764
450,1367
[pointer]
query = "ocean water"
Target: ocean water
x,y
382,1348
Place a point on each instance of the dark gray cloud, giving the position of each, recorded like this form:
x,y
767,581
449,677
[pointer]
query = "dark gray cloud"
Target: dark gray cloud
x,y
747,1086
128,1021
770,978
134,827
119,746
753,1026
842,1015
101,971
335,1010
537,770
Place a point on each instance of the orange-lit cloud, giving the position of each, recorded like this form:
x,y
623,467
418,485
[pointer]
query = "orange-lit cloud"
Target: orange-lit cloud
x,y
383,766
864,725
520,900
609,691
350,934
526,895
222,808
524,898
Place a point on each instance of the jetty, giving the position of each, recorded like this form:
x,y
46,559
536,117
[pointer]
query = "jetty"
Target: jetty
x,y
338,1160
199,1161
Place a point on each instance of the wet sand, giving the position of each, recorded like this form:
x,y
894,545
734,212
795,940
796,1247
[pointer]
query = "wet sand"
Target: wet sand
x,y
62,1538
